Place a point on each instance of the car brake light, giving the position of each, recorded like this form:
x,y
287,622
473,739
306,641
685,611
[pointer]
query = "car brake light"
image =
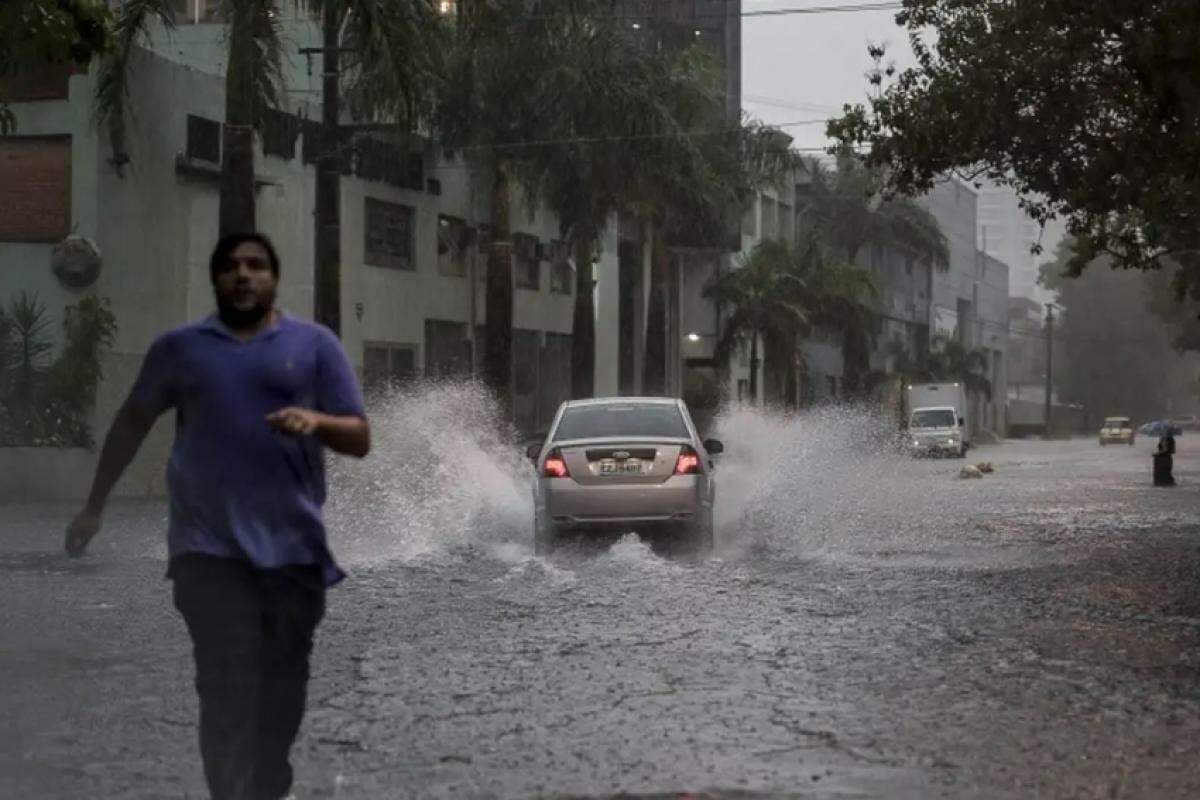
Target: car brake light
x,y
688,462
555,467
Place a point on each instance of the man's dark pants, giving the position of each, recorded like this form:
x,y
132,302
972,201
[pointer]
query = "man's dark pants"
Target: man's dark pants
x,y
252,632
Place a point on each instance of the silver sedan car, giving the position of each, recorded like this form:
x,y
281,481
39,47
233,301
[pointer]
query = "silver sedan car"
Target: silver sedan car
x,y
623,463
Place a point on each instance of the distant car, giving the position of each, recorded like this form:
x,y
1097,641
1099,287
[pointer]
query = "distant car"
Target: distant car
x,y
621,464
1117,430
1187,422
1159,428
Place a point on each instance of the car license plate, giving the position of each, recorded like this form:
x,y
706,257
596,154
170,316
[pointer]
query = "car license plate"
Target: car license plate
x,y
613,467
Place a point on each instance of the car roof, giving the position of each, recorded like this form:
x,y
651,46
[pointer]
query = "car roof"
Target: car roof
x,y
623,401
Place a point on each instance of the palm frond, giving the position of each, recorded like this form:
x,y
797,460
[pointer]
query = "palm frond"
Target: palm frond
x,y
131,29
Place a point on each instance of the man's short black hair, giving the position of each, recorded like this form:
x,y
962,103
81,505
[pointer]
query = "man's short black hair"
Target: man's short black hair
x,y
230,242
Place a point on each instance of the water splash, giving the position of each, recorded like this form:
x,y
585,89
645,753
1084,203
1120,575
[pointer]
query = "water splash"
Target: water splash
x,y
831,478
447,475
444,474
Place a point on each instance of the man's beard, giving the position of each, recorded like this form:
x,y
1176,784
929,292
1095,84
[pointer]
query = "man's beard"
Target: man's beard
x,y
242,318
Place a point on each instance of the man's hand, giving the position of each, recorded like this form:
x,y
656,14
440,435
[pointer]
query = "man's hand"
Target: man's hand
x,y
295,421
81,531
349,435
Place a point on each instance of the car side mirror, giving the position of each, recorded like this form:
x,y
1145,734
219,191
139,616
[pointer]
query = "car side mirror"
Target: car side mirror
x,y
961,422
533,451
714,447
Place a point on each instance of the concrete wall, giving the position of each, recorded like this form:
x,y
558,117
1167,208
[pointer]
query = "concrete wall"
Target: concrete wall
x,y
954,205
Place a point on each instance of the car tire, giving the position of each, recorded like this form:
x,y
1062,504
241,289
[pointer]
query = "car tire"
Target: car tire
x,y
701,536
545,537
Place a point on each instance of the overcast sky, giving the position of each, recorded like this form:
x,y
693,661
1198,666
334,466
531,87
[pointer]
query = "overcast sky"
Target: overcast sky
x,y
805,66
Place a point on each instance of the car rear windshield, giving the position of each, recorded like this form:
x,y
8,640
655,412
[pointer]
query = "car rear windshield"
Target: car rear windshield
x,y
933,419
601,421
1116,423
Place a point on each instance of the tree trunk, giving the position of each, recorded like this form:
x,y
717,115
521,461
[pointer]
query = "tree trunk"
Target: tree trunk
x,y
497,357
654,364
236,213
583,327
855,361
327,231
754,368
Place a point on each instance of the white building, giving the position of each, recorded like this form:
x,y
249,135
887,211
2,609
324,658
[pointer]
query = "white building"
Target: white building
x,y
970,299
409,305
1007,233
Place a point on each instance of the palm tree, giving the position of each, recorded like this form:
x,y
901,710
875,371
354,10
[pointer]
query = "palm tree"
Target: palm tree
x,y
624,147
384,55
492,104
577,116
951,360
840,295
765,300
380,49
690,197
848,213
948,360
253,86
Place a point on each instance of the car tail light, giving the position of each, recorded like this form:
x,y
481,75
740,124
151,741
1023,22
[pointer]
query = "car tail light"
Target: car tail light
x,y
688,462
555,466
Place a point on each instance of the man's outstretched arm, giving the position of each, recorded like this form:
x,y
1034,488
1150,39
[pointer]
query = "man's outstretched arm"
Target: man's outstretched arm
x,y
126,435
347,434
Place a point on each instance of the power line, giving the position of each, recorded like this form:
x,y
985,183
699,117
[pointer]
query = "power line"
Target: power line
x,y
775,102
846,9
632,137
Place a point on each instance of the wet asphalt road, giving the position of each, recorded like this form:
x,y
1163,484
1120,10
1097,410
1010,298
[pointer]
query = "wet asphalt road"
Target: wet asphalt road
x,y
870,627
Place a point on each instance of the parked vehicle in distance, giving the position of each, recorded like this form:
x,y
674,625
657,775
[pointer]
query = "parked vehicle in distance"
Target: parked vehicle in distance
x,y
621,464
1117,430
1186,422
937,419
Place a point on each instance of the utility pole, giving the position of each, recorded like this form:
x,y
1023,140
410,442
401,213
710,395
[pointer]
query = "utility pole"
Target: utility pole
x,y
327,244
1049,361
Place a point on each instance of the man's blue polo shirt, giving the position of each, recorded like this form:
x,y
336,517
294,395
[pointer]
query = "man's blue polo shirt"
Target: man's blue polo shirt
x,y
238,488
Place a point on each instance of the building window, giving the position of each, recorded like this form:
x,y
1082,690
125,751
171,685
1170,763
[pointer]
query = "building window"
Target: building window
x,y
527,267
35,188
454,244
389,235
279,134
203,139
562,275
447,349
386,364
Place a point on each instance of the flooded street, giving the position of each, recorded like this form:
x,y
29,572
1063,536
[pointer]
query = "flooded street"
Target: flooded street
x,y
870,626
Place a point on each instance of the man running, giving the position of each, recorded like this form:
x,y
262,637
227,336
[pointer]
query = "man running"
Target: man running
x,y
258,395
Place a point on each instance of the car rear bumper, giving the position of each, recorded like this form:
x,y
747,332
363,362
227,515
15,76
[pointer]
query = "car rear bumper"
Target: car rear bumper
x,y
935,449
677,500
